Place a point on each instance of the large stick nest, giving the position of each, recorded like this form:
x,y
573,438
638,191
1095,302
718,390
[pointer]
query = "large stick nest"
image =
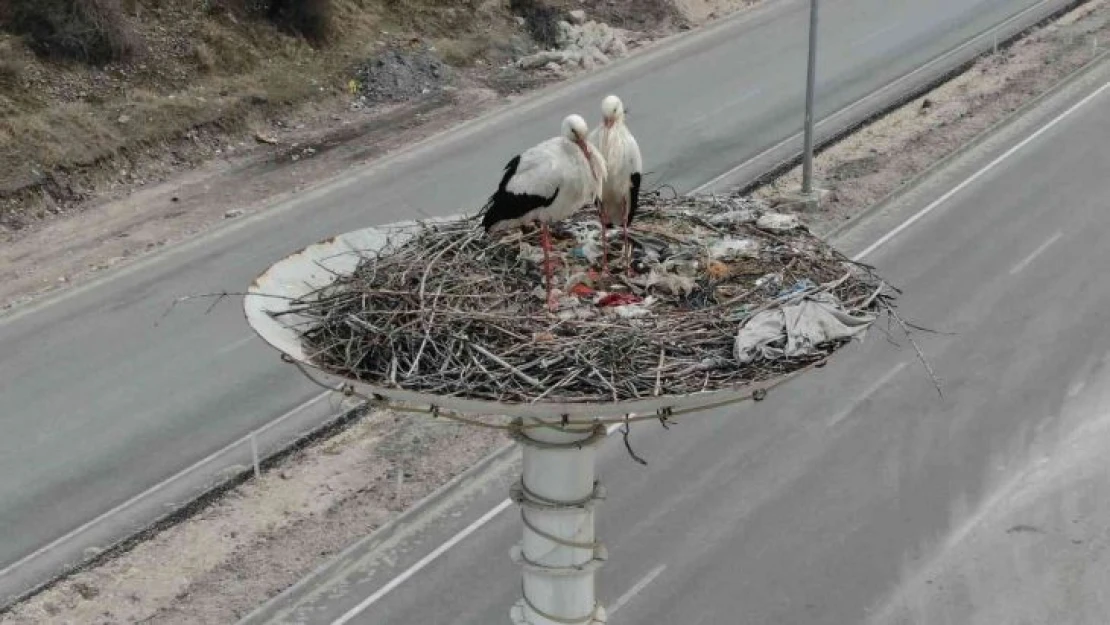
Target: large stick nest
x,y
447,310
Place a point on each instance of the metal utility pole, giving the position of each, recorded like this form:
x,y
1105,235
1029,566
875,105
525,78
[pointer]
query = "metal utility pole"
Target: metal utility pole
x,y
807,154
560,554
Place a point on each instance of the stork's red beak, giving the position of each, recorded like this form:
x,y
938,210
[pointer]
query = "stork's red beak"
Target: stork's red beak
x,y
585,147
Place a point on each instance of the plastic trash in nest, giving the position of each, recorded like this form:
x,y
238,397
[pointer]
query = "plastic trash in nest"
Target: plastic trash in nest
x,y
799,286
531,253
777,222
717,270
729,249
635,310
632,311
771,283
738,216
580,289
797,329
583,280
577,312
681,266
672,283
587,242
618,299
590,251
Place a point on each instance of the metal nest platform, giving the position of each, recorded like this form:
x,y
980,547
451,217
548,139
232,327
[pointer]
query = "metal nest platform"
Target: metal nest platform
x,y
721,299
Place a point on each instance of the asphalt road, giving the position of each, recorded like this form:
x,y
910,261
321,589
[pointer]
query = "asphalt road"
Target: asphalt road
x,y
97,403
809,507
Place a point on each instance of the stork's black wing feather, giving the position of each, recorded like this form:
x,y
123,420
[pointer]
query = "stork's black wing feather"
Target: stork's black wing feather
x,y
504,205
634,197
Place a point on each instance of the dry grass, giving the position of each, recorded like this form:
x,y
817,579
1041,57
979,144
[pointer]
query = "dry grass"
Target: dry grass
x,y
167,69
460,52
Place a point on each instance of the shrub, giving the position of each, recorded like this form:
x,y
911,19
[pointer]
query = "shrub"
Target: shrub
x,y
312,19
541,20
94,31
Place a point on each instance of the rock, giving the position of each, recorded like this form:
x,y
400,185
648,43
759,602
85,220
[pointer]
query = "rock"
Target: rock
x,y
583,43
540,59
577,16
399,75
261,138
566,35
233,213
553,67
520,21
123,119
597,56
616,49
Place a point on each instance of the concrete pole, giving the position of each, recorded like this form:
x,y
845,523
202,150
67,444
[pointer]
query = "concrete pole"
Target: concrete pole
x,y
559,553
811,72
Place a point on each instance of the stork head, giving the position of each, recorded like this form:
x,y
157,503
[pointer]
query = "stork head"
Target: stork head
x,y
612,110
575,129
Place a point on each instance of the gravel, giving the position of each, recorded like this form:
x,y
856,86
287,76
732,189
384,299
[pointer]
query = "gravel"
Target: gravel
x,y
401,75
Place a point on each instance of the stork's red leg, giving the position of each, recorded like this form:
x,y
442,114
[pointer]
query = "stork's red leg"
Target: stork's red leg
x,y
551,304
604,242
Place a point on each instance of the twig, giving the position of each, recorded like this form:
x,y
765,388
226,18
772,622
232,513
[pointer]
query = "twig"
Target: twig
x,y
520,374
625,431
920,355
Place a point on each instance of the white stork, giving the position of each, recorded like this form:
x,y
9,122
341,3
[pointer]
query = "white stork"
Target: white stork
x,y
620,195
547,183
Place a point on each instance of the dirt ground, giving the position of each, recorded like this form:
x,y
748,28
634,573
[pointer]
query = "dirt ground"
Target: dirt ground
x,y
313,504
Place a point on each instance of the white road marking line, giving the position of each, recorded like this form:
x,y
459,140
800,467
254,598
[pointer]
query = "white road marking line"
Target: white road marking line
x,y
1037,252
176,476
423,562
871,390
979,174
434,554
821,122
637,589
230,347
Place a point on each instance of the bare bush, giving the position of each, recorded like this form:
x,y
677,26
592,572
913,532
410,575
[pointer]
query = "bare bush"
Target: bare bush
x,y
311,19
93,31
541,20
